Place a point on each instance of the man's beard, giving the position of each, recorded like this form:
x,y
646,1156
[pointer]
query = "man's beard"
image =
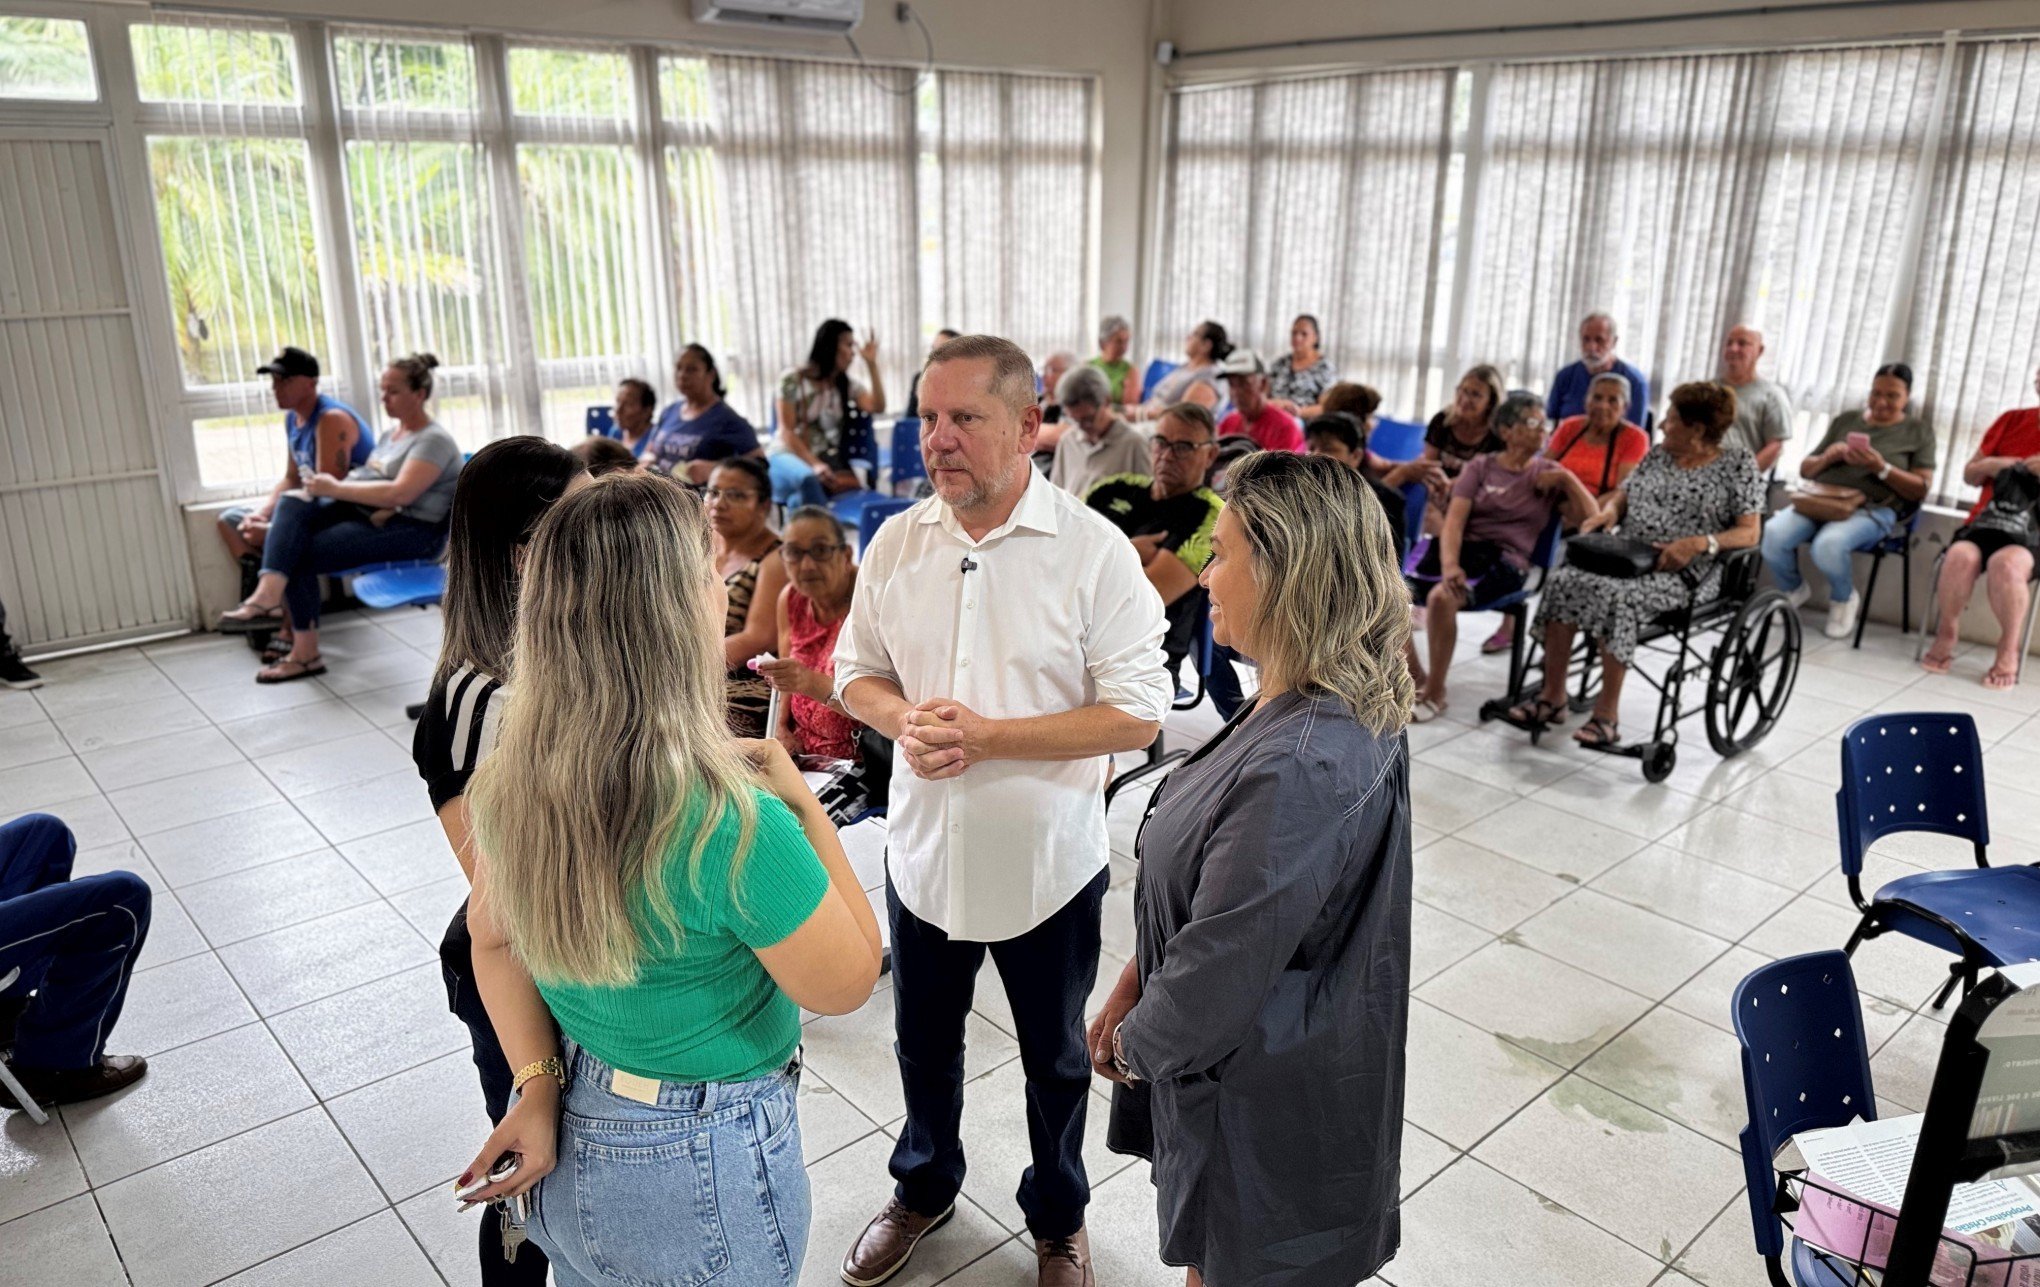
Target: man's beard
x,y
981,490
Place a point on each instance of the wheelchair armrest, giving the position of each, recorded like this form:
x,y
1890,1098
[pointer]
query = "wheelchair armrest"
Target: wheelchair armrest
x,y
1739,572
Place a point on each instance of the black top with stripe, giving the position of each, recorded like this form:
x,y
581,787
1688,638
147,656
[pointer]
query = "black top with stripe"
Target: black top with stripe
x,y
456,730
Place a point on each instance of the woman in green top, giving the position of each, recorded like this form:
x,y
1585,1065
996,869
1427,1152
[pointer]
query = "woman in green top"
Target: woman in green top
x,y
669,895
1881,459
1115,337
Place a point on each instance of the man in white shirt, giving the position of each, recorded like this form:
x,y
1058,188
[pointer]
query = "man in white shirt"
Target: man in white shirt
x,y
1006,638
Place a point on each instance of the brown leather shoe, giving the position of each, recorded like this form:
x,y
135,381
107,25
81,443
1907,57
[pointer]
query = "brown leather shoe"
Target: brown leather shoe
x,y
882,1249
1064,1262
52,1086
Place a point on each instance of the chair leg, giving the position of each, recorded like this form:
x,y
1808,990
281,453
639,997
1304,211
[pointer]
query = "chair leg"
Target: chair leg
x,y
1869,589
1960,972
1905,592
1865,928
21,1097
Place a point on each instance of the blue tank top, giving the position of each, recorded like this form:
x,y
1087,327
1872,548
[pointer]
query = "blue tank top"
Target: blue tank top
x,y
304,438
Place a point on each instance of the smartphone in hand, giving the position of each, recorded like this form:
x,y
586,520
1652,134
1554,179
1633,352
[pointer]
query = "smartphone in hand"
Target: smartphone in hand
x,y
1860,441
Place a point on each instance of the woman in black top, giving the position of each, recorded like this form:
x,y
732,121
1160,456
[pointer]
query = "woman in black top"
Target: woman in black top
x,y
502,494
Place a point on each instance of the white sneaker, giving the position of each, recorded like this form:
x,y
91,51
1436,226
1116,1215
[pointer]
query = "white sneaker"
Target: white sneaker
x,y
1797,598
1841,622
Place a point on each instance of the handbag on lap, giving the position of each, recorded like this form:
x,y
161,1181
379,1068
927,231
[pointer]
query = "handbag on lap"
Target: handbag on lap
x,y
1825,502
1608,554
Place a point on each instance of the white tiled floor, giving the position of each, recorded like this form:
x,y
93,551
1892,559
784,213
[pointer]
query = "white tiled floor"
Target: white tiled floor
x,y
1573,1085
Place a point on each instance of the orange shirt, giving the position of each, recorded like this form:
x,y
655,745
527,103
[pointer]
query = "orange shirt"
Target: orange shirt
x,y
1588,461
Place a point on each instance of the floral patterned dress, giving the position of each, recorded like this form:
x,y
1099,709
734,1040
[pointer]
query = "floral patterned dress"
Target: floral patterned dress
x,y
1666,503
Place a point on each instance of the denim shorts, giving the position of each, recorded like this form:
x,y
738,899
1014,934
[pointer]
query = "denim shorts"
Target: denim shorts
x,y
706,1185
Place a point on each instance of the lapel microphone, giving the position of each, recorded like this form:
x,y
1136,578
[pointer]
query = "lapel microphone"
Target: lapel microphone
x,y
969,564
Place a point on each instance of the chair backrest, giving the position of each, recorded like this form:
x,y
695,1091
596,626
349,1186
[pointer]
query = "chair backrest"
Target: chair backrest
x,y
1396,439
602,420
1910,771
1805,1065
876,511
906,450
1153,375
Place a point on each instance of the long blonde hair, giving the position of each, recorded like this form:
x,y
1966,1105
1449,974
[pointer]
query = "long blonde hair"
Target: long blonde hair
x,y
616,724
1334,614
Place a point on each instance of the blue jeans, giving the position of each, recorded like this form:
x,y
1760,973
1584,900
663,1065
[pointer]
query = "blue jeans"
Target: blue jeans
x,y
794,482
707,1183
75,940
1833,543
308,538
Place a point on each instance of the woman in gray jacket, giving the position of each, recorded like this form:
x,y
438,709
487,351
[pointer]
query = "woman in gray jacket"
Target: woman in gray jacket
x,y
1258,1033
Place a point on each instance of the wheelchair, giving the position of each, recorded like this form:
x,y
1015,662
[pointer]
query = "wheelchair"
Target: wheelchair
x,y
1749,671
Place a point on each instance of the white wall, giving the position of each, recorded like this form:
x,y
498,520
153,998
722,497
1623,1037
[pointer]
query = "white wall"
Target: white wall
x,y
1110,38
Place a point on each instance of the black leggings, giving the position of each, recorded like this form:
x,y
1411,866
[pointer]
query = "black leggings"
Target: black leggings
x,y
457,966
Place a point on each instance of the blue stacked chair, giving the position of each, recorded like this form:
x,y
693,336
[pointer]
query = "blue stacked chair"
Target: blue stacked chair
x,y
411,583
1805,1066
1923,771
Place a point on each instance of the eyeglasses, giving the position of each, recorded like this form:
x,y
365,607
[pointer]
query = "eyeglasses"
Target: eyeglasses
x,y
1180,450
815,553
729,494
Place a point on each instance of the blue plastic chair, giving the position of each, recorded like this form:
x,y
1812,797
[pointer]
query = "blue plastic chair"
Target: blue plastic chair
x,y
1805,1066
602,420
1156,369
875,512
906,451
1396,439
1923,771
1416,498
1900,542
414,583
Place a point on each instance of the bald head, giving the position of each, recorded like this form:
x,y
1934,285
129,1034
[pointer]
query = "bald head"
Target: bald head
x,y
1739,354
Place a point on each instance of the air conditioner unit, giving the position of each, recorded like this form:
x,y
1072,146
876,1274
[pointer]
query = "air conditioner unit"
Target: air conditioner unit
x,y
833,16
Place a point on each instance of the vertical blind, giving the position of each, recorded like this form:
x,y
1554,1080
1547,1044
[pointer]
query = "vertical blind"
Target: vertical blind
x,y
1975,322
1322,196
1015,181
548,217
1682,194
818,162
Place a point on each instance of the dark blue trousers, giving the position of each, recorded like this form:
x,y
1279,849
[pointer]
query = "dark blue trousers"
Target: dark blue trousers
x,y
1048,972
75,942
309,538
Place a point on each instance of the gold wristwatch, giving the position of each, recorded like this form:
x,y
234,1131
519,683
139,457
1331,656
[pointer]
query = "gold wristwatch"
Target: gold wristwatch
x,y
549,1066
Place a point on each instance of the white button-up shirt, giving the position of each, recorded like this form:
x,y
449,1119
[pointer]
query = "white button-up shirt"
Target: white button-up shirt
x,y
1055,615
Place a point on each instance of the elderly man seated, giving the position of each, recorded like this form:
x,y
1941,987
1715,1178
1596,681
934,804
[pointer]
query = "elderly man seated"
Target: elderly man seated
x,y
1169,512
1569,388
1253,416
1098,444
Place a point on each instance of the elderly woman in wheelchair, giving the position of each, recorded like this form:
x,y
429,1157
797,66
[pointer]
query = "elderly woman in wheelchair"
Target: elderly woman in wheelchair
x,y
1690,500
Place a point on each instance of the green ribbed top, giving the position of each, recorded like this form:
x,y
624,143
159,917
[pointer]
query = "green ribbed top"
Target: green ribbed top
x,y
704,1009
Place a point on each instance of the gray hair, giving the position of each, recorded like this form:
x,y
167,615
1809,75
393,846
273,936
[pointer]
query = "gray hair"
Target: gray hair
x,y
1111,326
1615,378
1083,386
1609,318
1516,408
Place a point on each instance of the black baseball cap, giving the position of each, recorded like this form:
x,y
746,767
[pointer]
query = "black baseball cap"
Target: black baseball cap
x,y
292,361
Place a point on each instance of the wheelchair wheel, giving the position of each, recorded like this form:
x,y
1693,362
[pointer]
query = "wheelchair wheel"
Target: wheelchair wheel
x,y
1750,679
1659,758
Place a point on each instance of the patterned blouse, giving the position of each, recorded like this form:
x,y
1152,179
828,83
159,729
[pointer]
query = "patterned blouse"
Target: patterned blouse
x,y
749,695
818,411
1304,387
823,729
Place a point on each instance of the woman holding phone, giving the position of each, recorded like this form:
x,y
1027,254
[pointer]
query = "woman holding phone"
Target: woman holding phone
x,y
669,895
1869,474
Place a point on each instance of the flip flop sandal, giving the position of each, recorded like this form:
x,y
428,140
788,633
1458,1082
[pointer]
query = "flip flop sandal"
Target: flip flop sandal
x,y
275,650
1539,712
2000,680
1598,733
1499,641
263,619
285,671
